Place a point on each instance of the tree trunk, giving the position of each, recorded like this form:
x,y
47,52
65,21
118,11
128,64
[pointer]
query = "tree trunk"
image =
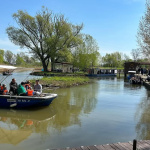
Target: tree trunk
x,y
44,66
52,64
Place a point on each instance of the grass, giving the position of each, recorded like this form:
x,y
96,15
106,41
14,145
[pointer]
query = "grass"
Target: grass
x,y
62,81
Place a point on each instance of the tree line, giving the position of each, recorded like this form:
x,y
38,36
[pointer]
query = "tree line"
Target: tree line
x,y
51,38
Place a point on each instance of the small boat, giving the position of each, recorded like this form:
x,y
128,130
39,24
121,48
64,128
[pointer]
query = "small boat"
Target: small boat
x,y
131,74
19,102
14,101
6,74
96,72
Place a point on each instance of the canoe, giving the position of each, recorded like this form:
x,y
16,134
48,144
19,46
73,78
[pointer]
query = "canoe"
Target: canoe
x,y
19,102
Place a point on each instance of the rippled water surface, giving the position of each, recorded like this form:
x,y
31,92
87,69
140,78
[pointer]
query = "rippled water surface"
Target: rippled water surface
x,y
108,110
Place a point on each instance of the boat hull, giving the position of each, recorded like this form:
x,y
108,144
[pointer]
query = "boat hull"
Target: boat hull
x,y
7,101
100,75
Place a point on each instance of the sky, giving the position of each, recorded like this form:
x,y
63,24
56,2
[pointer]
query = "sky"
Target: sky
x,y
112,23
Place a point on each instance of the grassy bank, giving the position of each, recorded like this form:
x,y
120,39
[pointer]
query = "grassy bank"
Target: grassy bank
x,y
62,81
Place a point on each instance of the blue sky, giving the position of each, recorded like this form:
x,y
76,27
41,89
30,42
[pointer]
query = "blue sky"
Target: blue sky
x,y
112,23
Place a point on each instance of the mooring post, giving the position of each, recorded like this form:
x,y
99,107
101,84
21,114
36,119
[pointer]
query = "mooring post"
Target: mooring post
x,y
134,144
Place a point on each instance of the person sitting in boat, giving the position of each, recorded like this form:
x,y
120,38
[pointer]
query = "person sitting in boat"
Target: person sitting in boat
x,y
21,89
27,85
1,89
13,86
5,91
37,88
30,92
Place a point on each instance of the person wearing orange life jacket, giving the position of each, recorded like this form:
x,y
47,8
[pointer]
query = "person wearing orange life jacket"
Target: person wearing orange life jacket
x,y
5,91
30,92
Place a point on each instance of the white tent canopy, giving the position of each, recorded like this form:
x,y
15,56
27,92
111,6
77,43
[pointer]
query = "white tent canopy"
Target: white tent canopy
x,y
7,67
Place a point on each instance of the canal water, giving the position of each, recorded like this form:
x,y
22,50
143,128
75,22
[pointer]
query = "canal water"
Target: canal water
x,y
108,110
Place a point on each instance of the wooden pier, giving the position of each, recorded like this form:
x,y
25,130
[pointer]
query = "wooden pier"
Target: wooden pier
x,y
140,145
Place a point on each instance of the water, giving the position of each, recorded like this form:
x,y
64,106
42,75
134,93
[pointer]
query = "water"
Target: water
x,y
108,110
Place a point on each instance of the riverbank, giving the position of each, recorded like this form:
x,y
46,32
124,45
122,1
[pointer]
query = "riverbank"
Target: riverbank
x,y
62,82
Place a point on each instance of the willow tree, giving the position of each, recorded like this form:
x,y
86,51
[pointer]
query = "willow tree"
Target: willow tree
x,y
143,36
46,35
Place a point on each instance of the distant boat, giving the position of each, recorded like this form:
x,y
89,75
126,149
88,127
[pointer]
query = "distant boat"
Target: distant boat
x,y
6,74
96,72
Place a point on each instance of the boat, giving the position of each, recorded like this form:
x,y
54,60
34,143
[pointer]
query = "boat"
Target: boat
x,y
15,101
19,102
131,74
6,74
96,72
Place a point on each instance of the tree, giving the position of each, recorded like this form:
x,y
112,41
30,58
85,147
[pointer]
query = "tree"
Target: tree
x,y
143,35
113,60
19,60
10,57
1,56
47,35
135,54
86,54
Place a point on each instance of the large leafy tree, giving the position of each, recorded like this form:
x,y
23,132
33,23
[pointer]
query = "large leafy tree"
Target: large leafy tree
x,y
113,59
143,36
86,54
46,35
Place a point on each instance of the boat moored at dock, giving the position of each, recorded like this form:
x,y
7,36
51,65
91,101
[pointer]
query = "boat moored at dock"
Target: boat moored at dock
x,y
97,72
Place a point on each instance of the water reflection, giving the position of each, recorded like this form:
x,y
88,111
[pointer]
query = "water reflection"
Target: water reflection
x,y
65,111
73,103
108,110
143,118
18,125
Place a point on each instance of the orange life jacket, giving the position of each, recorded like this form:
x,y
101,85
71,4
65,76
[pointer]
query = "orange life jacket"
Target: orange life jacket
x,y
30,92
2,87
5,91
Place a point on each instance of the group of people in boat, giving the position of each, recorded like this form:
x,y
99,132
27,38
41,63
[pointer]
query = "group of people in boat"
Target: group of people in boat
x,y
135,80
23,89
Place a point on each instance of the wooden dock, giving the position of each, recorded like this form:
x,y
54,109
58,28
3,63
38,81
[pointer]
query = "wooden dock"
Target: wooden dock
x,y
140,145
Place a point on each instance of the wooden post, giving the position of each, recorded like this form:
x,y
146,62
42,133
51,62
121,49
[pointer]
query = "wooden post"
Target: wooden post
x,y
134,144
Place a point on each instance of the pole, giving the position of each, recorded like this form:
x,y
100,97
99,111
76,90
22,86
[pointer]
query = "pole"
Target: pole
x,y
134,144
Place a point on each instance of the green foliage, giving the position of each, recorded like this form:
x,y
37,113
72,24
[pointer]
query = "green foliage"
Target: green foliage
x,y
48,36
113,60
143,36
86,54
10,58
63,81
1,56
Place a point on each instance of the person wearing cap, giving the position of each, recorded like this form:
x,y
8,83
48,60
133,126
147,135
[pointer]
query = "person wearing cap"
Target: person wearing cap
x,y
37,88
21,89
13,86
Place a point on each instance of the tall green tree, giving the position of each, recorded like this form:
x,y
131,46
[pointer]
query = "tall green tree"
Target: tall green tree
x,y
10,58
143,35
19,60
46,35
86,54
113,60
